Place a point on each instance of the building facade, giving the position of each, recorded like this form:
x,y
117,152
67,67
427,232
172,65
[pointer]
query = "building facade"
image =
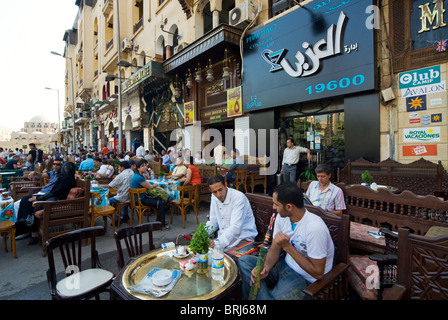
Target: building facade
x,y
344,78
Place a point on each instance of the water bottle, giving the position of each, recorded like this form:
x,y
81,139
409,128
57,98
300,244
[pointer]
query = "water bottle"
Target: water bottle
x,y
218,262
152,175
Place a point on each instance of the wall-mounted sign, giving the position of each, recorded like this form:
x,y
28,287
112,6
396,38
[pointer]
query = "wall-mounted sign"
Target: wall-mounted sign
x,y
311,53
421,82
234,107
149,70
435,118
417,103
428,23
420,150
189,112
421,134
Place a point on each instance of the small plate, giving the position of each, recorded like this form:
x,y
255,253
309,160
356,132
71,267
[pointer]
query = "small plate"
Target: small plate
x,y
162,278
181,256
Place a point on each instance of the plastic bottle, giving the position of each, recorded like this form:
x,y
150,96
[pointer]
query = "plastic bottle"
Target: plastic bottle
x,y
218,262
152,175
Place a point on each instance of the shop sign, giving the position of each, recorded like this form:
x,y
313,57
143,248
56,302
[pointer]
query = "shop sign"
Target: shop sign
x,y
428,23
234,107
417,103
189,112
150,69
421,134
421,77
428,89
213,115
420,150
436,118
309,54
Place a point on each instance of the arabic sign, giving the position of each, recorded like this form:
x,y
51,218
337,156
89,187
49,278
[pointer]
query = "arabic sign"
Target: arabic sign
x,y
421,134
314,52
150,69
420,150
234,102
189,112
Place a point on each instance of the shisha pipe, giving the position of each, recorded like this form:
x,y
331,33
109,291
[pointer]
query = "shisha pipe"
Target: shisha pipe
x,y
261,260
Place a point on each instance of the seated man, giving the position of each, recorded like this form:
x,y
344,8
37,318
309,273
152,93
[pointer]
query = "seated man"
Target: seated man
x,y
324,194
87,164
237,164
305,239
230,214
122,182
179,171
105,171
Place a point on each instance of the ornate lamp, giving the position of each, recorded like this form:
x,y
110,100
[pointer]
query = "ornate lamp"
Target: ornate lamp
x,y
210,76
189,80
198,77
226,70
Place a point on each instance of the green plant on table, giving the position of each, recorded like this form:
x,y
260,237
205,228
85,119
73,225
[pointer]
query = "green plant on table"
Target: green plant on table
x,y
201,240
366,177
161,173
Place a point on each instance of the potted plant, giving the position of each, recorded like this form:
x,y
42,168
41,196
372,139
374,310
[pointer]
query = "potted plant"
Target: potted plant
x,y
199,244
366,177
161,175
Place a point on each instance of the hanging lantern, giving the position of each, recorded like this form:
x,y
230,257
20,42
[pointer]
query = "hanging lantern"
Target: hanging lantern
x,y
198,77
210,76
226,70
189,80
176,85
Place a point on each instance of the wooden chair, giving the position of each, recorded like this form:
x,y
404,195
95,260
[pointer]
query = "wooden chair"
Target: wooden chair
x,y
104,212
80,283
422,268
240,179
334,284
188,198
138,206
256,178
19,188
65,215
9,228
133,239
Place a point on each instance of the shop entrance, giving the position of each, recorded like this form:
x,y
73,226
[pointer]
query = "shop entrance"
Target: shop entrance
x,y
322,134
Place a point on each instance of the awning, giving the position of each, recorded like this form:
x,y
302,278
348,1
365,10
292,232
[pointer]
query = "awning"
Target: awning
x,y
152,72
212,44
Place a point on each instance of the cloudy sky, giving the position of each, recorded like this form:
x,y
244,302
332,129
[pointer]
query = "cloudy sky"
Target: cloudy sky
x,y
29,30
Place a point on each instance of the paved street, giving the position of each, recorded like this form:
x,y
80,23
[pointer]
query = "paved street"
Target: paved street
x,y
25,278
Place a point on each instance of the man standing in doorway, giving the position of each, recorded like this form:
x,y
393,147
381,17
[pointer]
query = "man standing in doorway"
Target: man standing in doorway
x,y
291,157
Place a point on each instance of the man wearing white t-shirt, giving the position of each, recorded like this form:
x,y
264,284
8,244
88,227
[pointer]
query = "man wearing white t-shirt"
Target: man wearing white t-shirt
x,y
305,239
140,152
230,214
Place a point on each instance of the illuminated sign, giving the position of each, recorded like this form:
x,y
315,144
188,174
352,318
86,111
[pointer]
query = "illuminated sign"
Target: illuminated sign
x,y
311,53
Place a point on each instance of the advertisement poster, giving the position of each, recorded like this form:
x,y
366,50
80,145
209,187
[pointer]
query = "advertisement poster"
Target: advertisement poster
x,y
189,112
234,102
420,150
421,135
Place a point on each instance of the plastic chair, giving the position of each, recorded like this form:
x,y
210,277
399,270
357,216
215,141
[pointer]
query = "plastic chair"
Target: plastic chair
x,y
188,196
138,206
79,283
133,239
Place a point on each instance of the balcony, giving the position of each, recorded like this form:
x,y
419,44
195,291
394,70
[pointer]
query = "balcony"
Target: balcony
x,y
138,25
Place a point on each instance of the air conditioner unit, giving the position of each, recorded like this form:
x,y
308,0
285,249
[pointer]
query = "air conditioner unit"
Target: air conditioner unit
x,y
126,45
179,47
242,15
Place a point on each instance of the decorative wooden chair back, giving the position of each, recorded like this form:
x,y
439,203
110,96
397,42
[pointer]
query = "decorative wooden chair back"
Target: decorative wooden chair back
x,y
133,239
422,266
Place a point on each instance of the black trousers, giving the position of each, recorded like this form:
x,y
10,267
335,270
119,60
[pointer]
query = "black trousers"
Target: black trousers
x,y
159,204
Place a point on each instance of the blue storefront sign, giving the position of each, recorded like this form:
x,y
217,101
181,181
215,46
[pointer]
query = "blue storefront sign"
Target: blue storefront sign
x,y
315,52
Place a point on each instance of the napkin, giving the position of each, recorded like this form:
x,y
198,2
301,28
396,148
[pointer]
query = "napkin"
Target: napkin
x,y
146,285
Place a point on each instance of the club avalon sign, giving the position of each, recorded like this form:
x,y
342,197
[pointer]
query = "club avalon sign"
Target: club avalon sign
x,y
309,54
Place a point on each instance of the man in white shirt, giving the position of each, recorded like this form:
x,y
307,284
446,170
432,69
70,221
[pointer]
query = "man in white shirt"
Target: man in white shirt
x,y
291,157
140,152
122,182
305,239
230,214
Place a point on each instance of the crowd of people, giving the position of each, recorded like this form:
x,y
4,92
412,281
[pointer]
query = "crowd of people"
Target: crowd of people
x,y
302,250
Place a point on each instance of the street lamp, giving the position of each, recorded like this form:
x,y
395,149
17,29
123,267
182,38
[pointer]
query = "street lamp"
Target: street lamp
x,y
59,120
73,96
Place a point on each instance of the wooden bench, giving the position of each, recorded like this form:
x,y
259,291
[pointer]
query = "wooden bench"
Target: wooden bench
x,y
333,286
422,268
421,177
383,208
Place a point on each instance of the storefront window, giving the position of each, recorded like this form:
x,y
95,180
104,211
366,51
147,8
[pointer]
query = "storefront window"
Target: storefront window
x,y
322,134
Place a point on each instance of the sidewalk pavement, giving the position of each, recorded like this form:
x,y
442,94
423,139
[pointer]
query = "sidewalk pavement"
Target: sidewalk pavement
x,y
25,278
